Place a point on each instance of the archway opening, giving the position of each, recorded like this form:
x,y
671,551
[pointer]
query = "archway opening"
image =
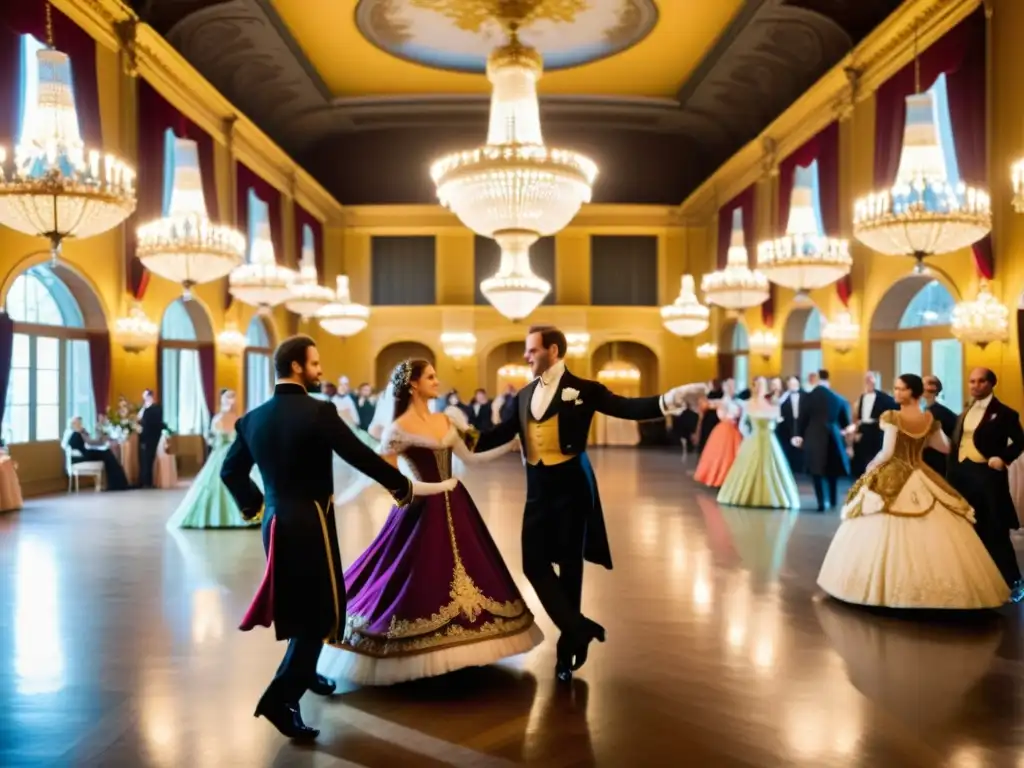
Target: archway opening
x,y
259,362
630,367
801,343
505,368
186,367
734,354
394,353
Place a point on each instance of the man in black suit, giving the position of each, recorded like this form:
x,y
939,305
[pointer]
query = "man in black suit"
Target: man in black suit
x,y
986,440
151,422
870,406
291,438
480,413
819,431
563,523
946,418
789,412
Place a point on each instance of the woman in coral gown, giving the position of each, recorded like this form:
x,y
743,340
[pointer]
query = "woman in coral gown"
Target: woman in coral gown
x,y
724,442
432,593
907,538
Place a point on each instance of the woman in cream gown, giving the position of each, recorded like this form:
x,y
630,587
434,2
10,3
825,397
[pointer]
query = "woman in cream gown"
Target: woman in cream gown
x,y
907,538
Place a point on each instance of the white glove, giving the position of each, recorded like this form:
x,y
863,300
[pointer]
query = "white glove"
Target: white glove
x,y
457,417
686,395
432,489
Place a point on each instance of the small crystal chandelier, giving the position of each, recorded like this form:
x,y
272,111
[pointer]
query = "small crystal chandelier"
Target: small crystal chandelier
x,y
737,286
615,371
307,295
686,316
343,317
763,343
802,259
707,351
53,187
458,346
841,334
577,344
514,189
262,283
922,214
135,332
231,341
185,247
982,321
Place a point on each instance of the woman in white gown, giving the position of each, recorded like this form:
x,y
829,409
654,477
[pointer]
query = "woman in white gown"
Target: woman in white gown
x,y
907,538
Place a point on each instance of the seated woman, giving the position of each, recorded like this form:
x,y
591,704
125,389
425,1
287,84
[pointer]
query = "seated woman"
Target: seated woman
x,y
78,440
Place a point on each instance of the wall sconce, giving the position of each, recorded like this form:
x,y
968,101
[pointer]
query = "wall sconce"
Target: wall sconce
x,y
135,332
707,351
764,343
458,346
230,341
842,334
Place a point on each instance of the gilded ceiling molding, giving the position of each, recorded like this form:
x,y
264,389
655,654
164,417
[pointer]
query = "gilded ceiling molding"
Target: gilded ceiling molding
x,y
882,53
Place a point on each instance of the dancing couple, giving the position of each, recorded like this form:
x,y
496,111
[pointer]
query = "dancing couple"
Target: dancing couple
x,y
431,594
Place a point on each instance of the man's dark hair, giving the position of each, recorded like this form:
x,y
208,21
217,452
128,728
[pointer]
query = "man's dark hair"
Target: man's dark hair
x,y
147,393
549,335
990,376
291,350
364,384
823,374
938,383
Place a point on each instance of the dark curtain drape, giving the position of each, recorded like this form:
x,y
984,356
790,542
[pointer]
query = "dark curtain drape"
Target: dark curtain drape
x,y
726,366
99,363
207,367
304,218
960,55
28,17
6,354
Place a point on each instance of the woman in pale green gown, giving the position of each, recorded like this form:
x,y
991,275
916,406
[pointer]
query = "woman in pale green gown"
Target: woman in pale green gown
x,y
208,503
760,475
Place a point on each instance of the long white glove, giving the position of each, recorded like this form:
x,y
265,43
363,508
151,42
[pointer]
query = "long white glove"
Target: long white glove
x,y
432,489
688,395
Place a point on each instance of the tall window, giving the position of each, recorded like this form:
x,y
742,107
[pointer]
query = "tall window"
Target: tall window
x,y
741,351
51,376
924,344
258,224
940,98
181,390
259,368
810,356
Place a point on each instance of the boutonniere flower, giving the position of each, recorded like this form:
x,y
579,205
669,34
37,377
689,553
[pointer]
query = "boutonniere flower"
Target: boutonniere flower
x,y
571,395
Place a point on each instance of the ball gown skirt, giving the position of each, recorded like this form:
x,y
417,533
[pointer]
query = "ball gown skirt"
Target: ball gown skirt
x,y
718,455
907,540
208,504
430,595
760,476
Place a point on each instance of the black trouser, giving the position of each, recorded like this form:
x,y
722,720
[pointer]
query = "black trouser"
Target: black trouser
x,y
147,457
987,490
558,503
821,482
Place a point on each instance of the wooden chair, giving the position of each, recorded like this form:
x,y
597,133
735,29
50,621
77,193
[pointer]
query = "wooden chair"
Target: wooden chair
x,y
76,471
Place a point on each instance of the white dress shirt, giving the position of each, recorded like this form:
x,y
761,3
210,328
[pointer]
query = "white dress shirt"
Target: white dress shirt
x,y
975,415
867,406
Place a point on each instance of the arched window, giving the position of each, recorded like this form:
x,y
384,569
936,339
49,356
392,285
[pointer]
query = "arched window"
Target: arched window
x,y
181,378
259,368
258,224
51,372
741,353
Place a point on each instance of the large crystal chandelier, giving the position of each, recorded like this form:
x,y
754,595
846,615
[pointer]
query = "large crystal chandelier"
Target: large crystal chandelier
x,y
185,247
231,341
514,188
922,214
307,295
803,259
982,321
135,332
686,316
840,334
262,283
763,343
53,186
737,286
343,317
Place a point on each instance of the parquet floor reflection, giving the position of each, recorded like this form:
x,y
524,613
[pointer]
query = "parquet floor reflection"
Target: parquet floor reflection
x,y
118,647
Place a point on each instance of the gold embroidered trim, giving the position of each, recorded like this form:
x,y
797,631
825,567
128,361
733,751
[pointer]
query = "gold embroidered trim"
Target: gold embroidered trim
x,y
452,635
330,568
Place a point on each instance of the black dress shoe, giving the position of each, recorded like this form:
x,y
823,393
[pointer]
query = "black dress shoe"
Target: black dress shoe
x,y
563,665
563,672
288,720
323,687
591,631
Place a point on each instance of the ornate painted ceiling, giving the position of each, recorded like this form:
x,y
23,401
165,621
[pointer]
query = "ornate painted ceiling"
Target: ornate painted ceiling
x,y
365,93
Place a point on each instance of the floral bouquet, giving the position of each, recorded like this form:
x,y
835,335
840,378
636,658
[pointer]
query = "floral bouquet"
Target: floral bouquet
x,y
122,420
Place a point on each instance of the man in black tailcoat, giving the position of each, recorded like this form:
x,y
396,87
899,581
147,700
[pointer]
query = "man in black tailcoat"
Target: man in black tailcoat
x,y
871,404
563,523
947,420
789,413
152,426
986,440
819,431
291,439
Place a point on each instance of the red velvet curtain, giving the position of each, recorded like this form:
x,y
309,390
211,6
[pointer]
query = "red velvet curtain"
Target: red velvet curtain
x,y
304,218
28,17
6,354
99,363
960,55
207,368
156,117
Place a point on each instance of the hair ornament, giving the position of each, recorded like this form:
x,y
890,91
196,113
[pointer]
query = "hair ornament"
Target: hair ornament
x,y
402,374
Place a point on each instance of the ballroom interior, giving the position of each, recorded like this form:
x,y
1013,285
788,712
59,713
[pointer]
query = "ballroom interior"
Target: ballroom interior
x,y
715,139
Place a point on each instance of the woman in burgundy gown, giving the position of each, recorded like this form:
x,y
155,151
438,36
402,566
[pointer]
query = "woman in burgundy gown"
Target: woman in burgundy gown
x,y
432,593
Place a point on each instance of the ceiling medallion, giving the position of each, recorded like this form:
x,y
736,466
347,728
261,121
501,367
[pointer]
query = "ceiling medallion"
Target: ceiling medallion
x,y
458,35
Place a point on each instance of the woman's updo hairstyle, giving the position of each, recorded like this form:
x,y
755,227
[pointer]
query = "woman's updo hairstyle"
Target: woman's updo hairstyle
x,y
405,373
914,383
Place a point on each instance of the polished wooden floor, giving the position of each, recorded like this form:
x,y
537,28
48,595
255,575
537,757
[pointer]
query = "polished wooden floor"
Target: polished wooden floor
x,y
118,647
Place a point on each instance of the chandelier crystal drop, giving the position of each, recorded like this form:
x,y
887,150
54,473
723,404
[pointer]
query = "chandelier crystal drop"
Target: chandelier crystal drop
x,y
577,344
803,259
185,247
981,321
686,316
53,186
135,332
514,188
262,283
763,343
922,214
458,346
707,351
737,286
307,295
343,317
840,334
231,341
